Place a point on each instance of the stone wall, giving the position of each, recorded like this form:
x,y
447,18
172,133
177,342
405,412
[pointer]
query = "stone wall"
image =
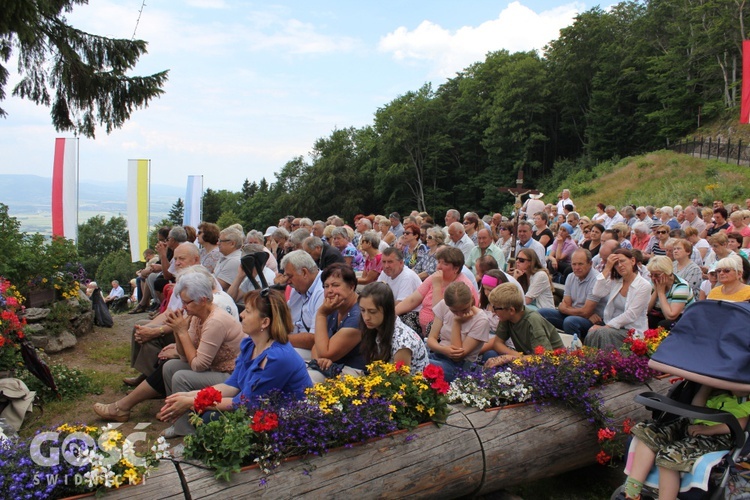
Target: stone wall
x,y
55,338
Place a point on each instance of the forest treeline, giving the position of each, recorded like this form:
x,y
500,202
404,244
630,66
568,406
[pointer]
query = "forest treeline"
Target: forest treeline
x,y
615,83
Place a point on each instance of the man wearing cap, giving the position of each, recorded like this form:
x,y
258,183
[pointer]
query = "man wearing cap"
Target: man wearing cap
x,y
580,309
533,205
396,227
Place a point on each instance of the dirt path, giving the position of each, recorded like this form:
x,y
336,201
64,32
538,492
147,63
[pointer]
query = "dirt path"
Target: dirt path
x,y
107,352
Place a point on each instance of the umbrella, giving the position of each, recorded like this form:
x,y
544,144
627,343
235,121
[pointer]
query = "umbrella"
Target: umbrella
x,y
36,366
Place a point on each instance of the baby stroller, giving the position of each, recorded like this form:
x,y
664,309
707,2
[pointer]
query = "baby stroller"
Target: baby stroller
x,y
710,345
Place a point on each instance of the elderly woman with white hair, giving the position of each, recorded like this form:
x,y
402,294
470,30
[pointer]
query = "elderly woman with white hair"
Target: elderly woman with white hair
x,y
342,241
207,341
671,294
731,287
428,264
255,237
369,246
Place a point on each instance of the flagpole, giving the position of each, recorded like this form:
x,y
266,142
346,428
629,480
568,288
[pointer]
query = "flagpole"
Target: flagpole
x,y
78,183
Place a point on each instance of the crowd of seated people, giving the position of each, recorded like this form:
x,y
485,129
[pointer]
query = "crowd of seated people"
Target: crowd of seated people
x,y
322,298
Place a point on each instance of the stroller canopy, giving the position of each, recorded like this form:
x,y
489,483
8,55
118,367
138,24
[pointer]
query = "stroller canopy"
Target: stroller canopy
x,y
709,345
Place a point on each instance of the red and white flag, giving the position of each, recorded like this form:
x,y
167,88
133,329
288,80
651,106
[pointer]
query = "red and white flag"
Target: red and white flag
x,y
65,189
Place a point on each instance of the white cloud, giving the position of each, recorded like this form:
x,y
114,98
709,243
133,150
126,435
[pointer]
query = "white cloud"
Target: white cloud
x,y
517,28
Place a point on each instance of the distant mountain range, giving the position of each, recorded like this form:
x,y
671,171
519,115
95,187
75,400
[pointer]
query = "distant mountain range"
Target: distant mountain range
x,y
29,200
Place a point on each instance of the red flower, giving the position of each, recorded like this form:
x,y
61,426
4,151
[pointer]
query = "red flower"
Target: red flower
x,y
639,347
440,386
433,372
606,434
207,397
399,365
264,421
627,425
603,458
539,350
651,333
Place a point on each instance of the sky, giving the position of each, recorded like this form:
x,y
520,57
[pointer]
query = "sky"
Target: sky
x,y
253,85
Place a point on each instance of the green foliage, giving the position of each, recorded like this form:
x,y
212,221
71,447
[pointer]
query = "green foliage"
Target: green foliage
x,y
80,75
59,317
72,383
177,212
98,238
117,266
228,218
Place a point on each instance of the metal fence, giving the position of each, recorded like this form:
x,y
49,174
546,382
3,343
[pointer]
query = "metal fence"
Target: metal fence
x,y
729,152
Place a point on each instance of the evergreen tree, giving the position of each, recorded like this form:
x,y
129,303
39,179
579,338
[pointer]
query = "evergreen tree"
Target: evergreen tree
x,y
177,212
80,75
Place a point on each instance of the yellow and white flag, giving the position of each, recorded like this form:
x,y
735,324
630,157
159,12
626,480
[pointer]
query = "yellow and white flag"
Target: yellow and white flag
x,y
139,172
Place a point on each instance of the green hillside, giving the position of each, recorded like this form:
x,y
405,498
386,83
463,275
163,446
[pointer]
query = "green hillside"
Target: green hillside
x,y
659,178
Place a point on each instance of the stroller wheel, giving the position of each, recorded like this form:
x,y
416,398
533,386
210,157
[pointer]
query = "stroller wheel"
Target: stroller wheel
x,y
618,494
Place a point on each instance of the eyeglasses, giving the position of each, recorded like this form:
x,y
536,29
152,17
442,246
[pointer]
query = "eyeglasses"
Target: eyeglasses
x,y
224,241
430,237
504,229
466,222
521,260
200,232
187,302
661,232
586,231
724,270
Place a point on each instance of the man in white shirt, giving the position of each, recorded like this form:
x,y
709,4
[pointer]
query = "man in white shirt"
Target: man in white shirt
x,y
613,217
403,282
565,200
303,275
457,238
692,220
115,293
230,246
642,215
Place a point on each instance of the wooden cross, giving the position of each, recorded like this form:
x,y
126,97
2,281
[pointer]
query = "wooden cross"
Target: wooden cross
x,y
517,192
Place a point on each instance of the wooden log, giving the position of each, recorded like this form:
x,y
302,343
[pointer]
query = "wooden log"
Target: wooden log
x,y
476,452
525,443
431,462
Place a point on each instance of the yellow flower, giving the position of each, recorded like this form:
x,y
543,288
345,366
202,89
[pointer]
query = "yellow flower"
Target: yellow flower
x,y
392,408
420,408
356,402
132,476
431,411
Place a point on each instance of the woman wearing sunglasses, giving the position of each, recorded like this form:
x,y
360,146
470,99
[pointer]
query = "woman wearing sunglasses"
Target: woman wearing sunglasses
x,y
414,250
658,245
267,361
534,279
731,287
594,241
428,264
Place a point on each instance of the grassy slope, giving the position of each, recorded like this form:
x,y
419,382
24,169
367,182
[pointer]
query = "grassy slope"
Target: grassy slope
x,y
659,178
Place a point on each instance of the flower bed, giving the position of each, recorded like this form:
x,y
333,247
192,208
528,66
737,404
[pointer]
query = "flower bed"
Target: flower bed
x,y
73,459
11,326
339,412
